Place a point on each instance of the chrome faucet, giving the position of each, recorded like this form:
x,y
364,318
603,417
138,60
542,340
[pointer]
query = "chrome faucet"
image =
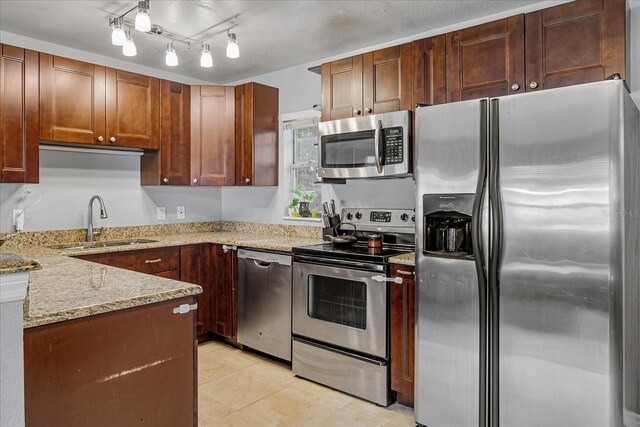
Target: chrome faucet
x,y
91,232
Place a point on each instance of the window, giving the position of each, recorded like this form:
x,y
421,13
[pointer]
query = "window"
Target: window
x,y
303,135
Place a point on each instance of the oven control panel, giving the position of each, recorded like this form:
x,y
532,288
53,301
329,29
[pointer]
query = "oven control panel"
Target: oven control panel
x,y
380,219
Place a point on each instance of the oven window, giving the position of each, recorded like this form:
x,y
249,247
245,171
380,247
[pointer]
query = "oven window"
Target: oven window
x,y
338,301
348,150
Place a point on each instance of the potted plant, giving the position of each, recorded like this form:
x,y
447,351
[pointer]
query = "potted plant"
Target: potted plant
x,y
302,200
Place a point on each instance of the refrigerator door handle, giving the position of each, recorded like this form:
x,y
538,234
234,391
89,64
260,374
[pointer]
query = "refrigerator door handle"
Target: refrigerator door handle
x,y
479,258
494,262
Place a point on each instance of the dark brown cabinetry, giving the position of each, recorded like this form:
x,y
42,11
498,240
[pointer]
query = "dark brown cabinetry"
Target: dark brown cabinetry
x,y
132,110
256,135
486,60
171,164
213,135
371,83
194,268
164,262
224,291
72,101
76,371
429,71
574,43
402,333
19,115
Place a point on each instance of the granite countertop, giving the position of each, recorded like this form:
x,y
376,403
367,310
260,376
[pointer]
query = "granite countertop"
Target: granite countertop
x,y
404,259
14,263
67,288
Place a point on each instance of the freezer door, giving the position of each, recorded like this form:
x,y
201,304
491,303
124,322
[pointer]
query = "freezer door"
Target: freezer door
x,y
450,356
560,274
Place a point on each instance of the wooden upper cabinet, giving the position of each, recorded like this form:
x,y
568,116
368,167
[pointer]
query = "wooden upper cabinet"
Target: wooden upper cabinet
x,y
387,80
341,83
171,164
132,110
19,115
486,60
574,43
72,101
256,135
429,71
212,135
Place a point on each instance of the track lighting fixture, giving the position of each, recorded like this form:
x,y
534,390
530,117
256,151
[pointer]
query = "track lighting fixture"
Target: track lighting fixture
x,y
129,47
233,51
121,35
171,57
118,37
206,60
143,20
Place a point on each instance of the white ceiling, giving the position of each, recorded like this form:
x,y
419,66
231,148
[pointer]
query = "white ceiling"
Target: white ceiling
x,y
272,35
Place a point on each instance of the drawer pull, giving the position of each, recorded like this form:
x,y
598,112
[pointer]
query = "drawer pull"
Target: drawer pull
x,y
152,261
185,308
406,273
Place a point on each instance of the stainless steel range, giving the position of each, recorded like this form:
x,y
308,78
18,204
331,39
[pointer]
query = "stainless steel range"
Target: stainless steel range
x,y
341,305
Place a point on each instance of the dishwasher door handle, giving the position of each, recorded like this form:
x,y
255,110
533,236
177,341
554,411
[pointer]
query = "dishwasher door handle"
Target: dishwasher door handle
x,y
262,264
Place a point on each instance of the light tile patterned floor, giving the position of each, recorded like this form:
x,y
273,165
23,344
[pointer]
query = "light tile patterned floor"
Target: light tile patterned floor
x,y
240,388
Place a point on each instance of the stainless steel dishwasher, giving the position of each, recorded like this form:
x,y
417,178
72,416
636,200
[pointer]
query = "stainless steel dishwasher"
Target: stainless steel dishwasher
x,y
264,302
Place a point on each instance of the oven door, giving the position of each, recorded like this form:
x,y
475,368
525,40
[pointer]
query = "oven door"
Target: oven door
x,y
375,146
341,306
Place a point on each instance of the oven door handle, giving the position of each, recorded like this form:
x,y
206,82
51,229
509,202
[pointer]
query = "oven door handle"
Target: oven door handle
x,y
380,278
376,145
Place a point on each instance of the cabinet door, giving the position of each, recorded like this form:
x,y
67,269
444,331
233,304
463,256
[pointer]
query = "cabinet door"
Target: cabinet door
x,y
72,101
402,333
132,110
127,260
429,71
19,108
212,135
574,43
256,135
387,80
486,60
224,294
194,269
341,83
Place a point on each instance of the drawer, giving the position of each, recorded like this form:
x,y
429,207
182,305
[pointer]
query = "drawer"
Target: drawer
x,y
171,274
160,259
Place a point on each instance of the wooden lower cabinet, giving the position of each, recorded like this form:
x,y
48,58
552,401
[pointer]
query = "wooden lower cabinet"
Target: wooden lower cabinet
x,y
224,293
136,366
402,333
194,268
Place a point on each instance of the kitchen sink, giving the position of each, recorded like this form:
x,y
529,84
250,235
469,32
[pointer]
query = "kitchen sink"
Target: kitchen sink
x,y
94,245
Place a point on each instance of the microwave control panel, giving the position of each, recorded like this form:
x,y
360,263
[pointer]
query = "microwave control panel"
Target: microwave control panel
x,y
394,145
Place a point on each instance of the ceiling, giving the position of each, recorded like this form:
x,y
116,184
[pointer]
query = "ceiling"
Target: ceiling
x,y
272,35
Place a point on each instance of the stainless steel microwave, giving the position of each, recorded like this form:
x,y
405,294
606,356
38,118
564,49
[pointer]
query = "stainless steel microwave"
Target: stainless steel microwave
x,y
375,146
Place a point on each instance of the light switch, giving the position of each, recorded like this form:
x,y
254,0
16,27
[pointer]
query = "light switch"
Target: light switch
x,y
161,213
181,212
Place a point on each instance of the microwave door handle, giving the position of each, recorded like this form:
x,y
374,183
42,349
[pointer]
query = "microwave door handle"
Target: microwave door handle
x,y
376,144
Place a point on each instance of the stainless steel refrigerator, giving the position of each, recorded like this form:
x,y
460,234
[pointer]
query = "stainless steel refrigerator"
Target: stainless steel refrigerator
x,y
528,254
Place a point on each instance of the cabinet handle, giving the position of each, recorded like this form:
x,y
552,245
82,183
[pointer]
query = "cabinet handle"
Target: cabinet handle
x,y
515,87
247,180
100,138
380,278
406,273
112,139
356,111
226,248
152,261
165,180
195,180
368,110
533,85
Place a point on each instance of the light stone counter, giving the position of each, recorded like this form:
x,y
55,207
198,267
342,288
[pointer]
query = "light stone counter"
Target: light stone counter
x,y
404,259
13,263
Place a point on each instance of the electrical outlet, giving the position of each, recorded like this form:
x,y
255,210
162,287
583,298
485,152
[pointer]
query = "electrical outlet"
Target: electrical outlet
x,y
18,219
161,213
182,212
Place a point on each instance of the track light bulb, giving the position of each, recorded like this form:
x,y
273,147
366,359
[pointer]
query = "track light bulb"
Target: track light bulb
x,y
118,37
143,20
206,60
129,47
171,58
233,51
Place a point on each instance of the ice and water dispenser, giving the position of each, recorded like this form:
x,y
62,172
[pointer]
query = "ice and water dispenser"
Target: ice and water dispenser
x,y
447,225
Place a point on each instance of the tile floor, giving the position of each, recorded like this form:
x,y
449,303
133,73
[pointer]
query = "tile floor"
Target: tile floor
x,y
240,388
